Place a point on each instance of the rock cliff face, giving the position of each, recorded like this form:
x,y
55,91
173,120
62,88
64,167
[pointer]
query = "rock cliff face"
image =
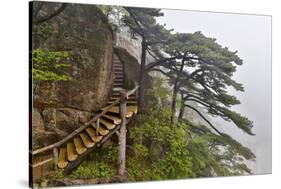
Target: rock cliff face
x,y
131,67
83,31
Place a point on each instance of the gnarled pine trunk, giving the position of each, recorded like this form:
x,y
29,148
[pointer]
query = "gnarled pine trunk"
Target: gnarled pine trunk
x,y
141,102
175,94
122,137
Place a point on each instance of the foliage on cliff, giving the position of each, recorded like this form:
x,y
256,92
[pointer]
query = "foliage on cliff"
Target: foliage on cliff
x,y
50,65
157,151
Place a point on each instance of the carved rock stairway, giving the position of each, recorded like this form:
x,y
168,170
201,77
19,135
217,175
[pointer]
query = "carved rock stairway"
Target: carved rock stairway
x,y
88,138
82,143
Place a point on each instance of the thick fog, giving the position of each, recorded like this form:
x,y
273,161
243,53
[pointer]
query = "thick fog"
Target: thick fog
x,y
251,36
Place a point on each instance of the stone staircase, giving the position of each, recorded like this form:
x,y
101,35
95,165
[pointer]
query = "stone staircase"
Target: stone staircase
x,y
69,153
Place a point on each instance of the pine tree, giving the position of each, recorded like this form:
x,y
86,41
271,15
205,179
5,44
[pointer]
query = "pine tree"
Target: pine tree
x,y
202,70
142,23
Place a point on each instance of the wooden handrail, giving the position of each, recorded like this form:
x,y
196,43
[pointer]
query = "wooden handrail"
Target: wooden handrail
x,y
80,129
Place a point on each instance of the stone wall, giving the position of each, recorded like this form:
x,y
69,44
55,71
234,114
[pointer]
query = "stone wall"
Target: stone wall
x,y
132,46
83,31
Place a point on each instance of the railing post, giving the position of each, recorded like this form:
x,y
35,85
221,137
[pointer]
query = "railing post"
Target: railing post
x,y
122,136
56,155
97,126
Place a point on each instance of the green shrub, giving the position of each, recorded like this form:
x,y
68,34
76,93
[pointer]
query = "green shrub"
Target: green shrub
x,y
99,164
160,151
50,65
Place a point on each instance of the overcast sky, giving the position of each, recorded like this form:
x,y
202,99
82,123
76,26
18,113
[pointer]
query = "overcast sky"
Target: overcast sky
x,y
251,36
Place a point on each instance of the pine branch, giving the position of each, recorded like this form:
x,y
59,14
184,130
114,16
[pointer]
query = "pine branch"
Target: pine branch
x,y
203,117
55,13
136,22
151,54
161,61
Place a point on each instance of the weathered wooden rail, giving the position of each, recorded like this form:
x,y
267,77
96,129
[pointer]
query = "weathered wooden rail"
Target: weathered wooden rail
x,y
96,120
77,131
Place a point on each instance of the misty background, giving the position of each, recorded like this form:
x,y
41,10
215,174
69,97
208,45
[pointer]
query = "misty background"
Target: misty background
x,y
251,36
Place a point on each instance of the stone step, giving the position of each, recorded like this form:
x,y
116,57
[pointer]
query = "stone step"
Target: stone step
x,y
118,85
79,146
115,93
102,131
71,152
118,82
92,133
115,119
62,161
129,98
130,110
87,140
128,102
108,124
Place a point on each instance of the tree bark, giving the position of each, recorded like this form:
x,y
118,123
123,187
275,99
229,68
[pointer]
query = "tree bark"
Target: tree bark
x,y
182,108
122,137
141,102
48,17
175,93
174,99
